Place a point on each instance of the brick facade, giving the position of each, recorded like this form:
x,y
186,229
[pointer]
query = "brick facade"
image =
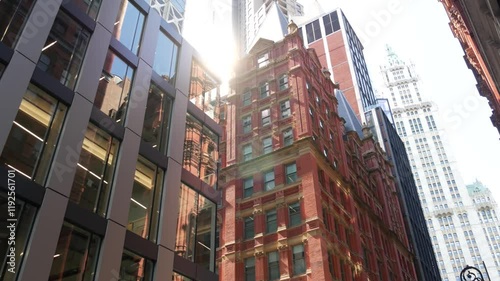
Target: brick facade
x,y
332,193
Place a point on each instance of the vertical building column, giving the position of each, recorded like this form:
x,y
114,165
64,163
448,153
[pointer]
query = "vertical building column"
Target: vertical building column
x,y
259,221
166,261
37,28
150,38
282,215
228,234
68,150
285,263
123,183
311,199
140,89
260,266
92,65
108,12
69,146
110,253
170,205
316,258
37,261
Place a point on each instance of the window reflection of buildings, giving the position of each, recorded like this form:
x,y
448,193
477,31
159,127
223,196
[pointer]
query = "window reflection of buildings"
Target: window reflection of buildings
x,y
178,277
201,151
34,134
204,91
128,26
95,169
76,254
195,228
12,17
63,52
157,118
90,7
114,87
145,201
25,216
135,267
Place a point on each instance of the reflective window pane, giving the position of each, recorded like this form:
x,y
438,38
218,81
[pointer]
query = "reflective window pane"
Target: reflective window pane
x,y
247,187
283,82
2,69
271,221
247,152
248,228
95,170
250,269
264,90
273,263
204,91
291,173
76,255
114,87
63,52
128,26
25,215
294,214
266,117
285,109
146,198
135,267
195,239
178,277
201,151
13,14
287,137
267,145
166,58
299,263
247,98
156,126
90,7
210,157
247,124
34,134
269,180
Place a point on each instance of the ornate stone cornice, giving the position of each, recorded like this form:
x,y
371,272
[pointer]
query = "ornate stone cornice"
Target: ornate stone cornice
x,y
282,247
258,253
257,211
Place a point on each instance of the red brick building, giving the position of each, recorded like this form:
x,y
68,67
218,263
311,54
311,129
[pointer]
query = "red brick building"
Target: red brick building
x,y
341,52
302,197
475,25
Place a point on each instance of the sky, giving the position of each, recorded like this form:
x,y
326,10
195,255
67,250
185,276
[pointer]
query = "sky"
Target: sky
x,y
418,31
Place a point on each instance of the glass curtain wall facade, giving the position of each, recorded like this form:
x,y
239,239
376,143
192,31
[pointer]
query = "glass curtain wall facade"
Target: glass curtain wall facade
x,y
92,141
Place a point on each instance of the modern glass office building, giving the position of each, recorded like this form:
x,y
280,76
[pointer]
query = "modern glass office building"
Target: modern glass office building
x,y
108,140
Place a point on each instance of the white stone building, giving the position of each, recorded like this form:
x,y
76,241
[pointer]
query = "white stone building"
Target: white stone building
x,y
464,229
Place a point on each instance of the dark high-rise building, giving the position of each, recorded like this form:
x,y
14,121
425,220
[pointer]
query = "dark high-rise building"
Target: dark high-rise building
x,y
306,194
384,131
341,52
109,144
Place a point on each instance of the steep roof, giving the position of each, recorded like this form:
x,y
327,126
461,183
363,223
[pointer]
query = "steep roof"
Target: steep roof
x,y
345,111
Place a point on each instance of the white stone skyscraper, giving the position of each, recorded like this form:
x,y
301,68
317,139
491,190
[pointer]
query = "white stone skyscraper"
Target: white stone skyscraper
x,y
454,220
